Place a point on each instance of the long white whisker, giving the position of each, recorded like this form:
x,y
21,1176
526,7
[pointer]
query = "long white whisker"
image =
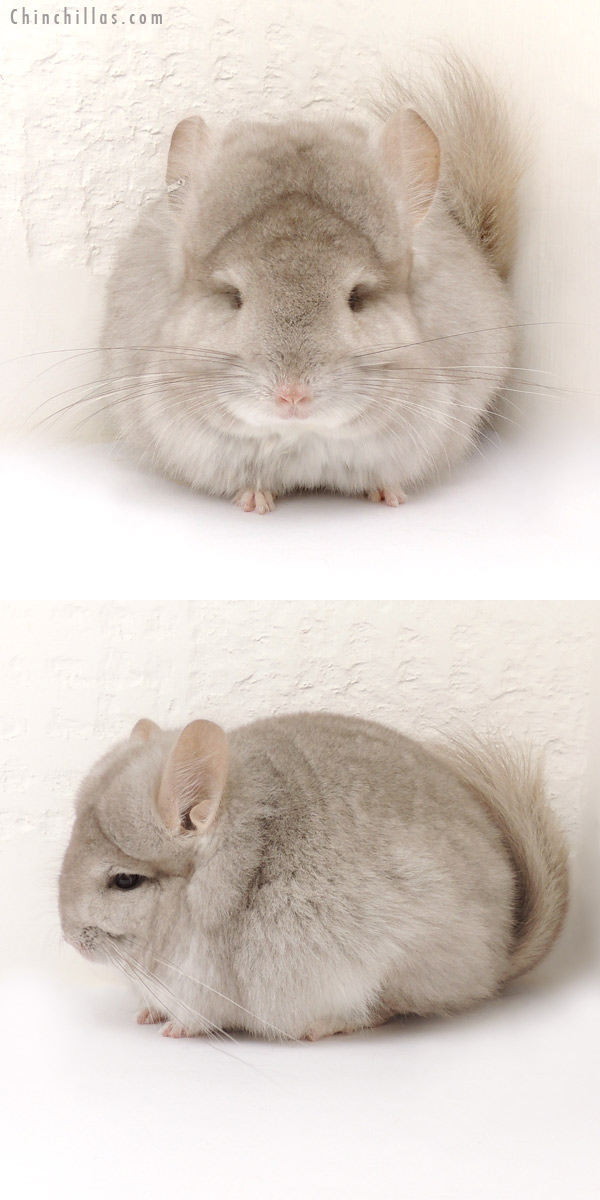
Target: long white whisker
x,y
132,968
198,983
149,974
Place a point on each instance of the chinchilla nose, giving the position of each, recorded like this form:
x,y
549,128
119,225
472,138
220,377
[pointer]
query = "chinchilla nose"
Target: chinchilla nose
x,y
292,399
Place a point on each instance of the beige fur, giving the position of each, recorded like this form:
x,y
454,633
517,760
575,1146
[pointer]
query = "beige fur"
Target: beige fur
x,y
512,789
310,874
306,308
485,156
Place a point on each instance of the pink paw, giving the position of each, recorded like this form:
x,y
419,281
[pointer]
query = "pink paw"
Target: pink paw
x,y
173,1030
260,502
392,496
322,1031
148,1016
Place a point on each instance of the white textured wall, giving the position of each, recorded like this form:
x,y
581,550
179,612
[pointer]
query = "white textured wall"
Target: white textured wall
x,y
73,678
88,113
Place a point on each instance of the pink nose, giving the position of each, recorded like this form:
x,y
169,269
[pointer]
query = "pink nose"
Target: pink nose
x,y
292,399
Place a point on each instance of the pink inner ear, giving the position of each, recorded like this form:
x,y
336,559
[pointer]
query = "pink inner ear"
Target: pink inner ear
x,y
194,777
411,153
188,143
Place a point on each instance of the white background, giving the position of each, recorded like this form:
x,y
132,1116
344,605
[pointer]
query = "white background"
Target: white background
x,y
85,135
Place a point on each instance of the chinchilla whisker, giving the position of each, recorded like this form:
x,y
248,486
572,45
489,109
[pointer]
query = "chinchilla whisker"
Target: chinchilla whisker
x,y
198,983
90,394
53,367
123,394
429,376
390,349
91,390
199,352
139,976
134,973
529,388
398,420
406,429
151,1002
141,383
204,380
227,422
415,406
538,395
75,351
107,408
388,380
218,357
450,420
145,972
446,416
455,419
392,365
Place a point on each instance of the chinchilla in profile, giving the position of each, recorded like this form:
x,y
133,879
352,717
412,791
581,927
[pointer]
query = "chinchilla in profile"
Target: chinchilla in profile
x,y
310,874
321,303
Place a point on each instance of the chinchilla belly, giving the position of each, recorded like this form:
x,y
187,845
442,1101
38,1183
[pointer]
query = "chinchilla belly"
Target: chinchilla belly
x,y
226,466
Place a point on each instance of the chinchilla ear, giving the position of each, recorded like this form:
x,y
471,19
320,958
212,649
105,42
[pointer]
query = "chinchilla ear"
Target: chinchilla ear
x,y
144,730
188,146
194,778
411,154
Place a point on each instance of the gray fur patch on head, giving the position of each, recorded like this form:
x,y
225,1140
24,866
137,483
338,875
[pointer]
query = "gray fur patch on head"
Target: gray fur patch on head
x,y
255,167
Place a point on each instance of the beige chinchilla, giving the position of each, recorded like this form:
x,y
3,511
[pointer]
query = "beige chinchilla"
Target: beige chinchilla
x,y
320,303
311,874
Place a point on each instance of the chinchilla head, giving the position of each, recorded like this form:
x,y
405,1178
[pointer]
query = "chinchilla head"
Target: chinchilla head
x,y
292,252
145,818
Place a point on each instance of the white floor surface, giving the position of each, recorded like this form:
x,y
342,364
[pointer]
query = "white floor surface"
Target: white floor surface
x,y
78,522
500,1103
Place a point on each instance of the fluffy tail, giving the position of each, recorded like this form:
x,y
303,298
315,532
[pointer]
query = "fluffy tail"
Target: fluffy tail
x,y
511,788
482,157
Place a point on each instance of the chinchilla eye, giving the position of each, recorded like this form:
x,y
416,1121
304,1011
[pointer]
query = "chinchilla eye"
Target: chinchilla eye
x,y
224,289
356,299
126,883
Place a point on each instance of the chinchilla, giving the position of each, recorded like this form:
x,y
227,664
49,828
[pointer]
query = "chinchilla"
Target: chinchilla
x,y
321,304
311,874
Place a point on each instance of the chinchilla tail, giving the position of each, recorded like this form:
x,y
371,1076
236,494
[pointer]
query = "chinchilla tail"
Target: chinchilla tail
x,y
483,152
510,786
